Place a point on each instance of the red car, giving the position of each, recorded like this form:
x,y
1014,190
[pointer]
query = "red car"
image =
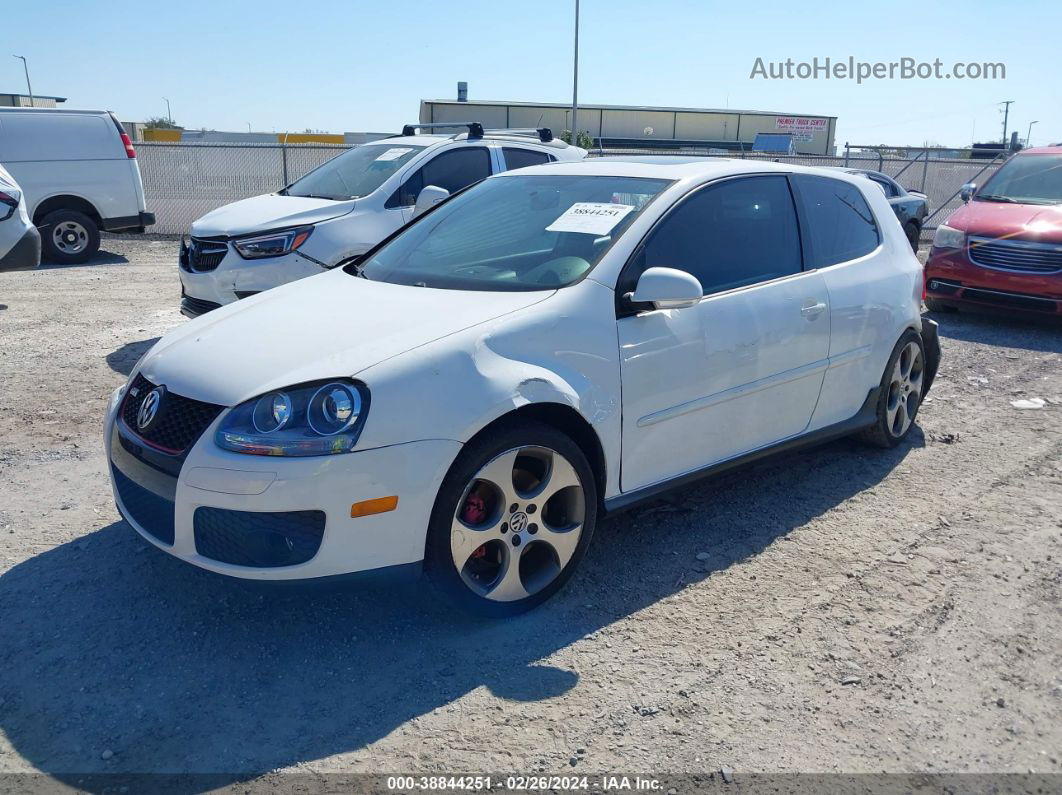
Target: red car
x,y
1003,249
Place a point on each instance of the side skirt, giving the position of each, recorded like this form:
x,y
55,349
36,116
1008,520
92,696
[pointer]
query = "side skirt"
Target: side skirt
x,y
864,418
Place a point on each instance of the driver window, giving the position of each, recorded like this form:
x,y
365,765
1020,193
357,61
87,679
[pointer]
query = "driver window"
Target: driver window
x,y
452,170
729,235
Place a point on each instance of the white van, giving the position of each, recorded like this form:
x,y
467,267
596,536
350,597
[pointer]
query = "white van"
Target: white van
x,y
78,173
345,207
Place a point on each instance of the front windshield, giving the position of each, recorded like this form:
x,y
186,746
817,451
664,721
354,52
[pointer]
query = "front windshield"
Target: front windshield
x,y
514,233
1026,179
355,173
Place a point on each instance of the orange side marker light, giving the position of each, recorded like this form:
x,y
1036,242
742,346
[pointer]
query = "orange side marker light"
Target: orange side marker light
x,y
370,507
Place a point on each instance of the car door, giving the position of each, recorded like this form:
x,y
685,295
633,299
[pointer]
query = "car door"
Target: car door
x,y
741,369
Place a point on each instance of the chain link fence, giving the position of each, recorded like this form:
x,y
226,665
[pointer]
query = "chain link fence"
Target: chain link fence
x,y
183,181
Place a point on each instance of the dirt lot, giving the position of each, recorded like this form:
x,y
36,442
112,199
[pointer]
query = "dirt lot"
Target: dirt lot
x,y
857,611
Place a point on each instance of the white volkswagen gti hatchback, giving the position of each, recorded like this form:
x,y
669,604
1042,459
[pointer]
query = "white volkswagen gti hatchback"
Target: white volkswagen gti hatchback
x,y
345,207
543,348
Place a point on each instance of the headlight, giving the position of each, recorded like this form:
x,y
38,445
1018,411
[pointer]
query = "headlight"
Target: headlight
x,y
946,237
321,418
274,244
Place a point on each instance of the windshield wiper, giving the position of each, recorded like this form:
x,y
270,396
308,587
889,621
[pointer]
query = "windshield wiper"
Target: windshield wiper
x,y
991,198
316,196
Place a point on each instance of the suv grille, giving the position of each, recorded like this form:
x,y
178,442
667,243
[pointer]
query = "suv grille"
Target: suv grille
x,y
246,538
178,422
202,255
1016,255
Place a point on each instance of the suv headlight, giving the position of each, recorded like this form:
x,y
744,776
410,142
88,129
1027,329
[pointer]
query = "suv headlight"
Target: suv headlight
x,y
274,244
319,418
946,237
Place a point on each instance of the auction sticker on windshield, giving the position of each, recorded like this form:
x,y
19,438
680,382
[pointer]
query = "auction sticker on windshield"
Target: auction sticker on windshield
x,y
393,154
591,218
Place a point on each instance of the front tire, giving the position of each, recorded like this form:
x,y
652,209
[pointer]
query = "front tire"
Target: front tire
x,y
69,237
900,395
512,520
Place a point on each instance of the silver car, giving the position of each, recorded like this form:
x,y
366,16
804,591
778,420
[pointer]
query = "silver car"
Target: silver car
x,y
20,242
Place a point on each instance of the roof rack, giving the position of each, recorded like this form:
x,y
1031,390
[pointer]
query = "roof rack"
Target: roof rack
x,y
475,130
544,134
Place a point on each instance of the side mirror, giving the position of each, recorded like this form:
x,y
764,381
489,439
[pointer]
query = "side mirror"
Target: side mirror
x,y
967,191
667,288
428,198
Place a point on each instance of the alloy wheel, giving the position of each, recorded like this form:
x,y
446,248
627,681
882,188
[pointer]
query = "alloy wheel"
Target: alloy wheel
x,y
905,389
518,523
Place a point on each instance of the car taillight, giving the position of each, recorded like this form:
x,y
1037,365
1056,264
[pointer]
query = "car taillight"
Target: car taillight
x,y
8,205
129,150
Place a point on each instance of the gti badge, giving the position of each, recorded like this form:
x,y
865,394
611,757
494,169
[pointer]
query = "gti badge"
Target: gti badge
x,y
149,408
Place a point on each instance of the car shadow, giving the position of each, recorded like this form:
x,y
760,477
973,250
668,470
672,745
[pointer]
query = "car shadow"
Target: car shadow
x,y
100,258
1025,332
116,658
123,360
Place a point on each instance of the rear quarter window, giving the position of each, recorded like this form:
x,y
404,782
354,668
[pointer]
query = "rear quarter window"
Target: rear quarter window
x,y
54,136
839,222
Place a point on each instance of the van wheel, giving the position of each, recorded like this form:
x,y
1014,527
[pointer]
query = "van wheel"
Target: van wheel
x,y
513,518
900,394
69,237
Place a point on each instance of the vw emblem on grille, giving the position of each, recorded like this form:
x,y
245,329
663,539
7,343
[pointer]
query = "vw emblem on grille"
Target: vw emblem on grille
x,y
518,521
149,408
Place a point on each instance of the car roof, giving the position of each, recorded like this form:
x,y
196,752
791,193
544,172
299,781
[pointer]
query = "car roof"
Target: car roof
x,y
670,167
1055,149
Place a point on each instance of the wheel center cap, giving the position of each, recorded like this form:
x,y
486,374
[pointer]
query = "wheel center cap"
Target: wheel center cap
x,y
518,522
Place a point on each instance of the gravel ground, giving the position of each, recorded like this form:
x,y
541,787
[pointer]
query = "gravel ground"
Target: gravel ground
x,y
853,610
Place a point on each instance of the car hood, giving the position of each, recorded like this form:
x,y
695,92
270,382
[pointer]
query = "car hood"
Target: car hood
x,y
327,326
997,219
268,212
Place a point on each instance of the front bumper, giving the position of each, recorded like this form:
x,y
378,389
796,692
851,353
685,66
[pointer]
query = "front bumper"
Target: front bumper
x,y
952,278
25,254
235,278
165,508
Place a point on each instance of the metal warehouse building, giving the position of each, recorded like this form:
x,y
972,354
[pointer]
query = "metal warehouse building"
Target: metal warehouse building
x,y
645,127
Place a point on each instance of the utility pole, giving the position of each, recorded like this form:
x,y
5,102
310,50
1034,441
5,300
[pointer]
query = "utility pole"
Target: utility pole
x,y
1006,115
1028,135
169,116
25,68
575,81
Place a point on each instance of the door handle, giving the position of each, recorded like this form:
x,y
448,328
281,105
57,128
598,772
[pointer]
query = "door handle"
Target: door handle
x,y
810,309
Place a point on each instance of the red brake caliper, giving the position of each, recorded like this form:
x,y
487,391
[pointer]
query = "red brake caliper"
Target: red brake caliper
x,y
474,512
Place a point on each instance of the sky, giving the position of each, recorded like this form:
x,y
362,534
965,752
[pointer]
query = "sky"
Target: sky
x,y
363,66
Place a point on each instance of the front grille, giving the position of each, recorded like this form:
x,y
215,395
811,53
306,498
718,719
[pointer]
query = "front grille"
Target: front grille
x,y
178,422
152,512
1016,255
995,297
194,307
201,255
262,540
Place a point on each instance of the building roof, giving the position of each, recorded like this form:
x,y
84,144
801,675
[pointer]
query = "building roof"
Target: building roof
x,y
589,106
35,96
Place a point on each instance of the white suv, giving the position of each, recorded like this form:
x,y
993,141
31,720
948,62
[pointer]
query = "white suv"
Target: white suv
x,y
345,207
548,346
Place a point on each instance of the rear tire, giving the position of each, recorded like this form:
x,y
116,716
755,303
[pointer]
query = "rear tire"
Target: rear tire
x,y
69,237
512,519
914,234
900,393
